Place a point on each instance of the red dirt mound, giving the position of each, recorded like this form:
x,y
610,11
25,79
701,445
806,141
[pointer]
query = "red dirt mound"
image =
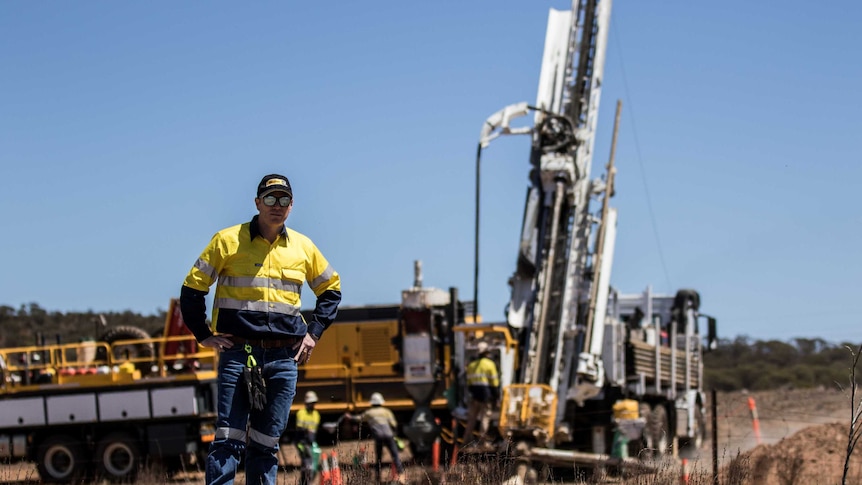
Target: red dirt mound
x,y
814,455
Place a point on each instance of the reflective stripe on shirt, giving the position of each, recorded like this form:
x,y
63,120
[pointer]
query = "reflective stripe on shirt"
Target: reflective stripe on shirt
x,y
260,283
482,372
257,306
323,278
206,268
308,420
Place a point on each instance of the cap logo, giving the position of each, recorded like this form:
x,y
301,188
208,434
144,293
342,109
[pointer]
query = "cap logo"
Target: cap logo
x,y
276,182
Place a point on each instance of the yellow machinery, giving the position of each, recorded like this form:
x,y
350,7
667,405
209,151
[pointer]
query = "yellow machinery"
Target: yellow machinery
x,y
360,354
356,357
106,407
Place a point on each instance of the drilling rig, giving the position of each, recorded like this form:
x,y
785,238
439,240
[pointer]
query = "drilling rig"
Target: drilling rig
x,y
593,364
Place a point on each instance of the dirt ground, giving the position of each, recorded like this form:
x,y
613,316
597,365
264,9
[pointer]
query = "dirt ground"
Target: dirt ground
x,y
800,438
803,439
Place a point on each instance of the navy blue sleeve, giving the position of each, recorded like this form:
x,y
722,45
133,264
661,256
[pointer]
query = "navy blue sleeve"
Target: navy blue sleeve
x,y
324,312
193,306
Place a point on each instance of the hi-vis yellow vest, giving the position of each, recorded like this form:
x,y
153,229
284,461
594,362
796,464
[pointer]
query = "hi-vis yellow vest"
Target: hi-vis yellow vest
x,y
308,420
482,372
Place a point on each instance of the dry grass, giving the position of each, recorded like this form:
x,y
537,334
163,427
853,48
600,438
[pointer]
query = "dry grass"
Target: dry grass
x,y
812,455
491,469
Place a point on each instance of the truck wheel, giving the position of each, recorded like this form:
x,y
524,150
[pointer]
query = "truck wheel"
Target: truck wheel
x,y
659,430
691,444
60,459
134,351
117,458
641,448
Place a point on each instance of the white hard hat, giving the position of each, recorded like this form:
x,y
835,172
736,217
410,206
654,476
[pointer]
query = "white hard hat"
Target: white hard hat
x,y
377,399
482,347
310,397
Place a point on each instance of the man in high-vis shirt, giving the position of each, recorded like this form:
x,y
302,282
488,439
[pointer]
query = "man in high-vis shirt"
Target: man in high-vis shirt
x,y
483,383
257,328
381,421
307,422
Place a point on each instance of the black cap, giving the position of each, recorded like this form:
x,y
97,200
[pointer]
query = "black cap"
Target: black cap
x,y
273,183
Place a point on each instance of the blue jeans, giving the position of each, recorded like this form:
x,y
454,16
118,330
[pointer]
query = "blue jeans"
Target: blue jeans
x,y
393,453
235,416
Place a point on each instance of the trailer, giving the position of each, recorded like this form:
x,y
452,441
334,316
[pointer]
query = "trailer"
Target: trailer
x,y
103,409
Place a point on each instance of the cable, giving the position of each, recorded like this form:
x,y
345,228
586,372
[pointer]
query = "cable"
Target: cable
x,y
640,158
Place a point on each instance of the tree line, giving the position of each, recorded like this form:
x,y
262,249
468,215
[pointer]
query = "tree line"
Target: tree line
x,y
739,363
31,324
743,363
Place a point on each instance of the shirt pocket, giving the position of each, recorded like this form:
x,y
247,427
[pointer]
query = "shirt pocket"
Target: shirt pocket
x,y
292,275
291,284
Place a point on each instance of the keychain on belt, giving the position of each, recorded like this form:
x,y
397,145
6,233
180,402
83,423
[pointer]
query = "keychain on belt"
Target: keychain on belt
x,y
254,382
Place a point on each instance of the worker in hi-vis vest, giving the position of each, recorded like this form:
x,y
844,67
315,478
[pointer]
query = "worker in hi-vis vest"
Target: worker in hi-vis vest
x,y
307,422
483,384
381,421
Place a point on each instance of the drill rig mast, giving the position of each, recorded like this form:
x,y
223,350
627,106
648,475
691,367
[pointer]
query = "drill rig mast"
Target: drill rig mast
x,y
592,361
557,290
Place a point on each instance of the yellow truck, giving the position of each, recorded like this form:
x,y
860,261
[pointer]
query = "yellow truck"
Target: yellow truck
x,y
357,356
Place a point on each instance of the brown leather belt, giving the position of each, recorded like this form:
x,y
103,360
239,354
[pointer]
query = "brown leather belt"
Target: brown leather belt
x,y
266,343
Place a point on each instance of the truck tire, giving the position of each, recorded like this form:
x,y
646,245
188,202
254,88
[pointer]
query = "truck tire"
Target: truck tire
x,y
143,350
658,427
642,448
117,458
690,445
61,459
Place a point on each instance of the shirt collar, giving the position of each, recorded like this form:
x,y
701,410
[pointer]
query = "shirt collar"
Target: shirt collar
x,y
254,229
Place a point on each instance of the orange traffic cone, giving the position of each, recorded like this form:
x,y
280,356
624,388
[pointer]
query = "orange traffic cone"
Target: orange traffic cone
x,y
683,479
325,474
335,471
435,453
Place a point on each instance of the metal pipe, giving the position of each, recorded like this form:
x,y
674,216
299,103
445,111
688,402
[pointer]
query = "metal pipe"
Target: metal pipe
x,y
417,274
476,240
546,285
600,237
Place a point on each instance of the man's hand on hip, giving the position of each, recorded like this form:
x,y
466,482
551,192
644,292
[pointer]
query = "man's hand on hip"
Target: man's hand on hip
x,y
218,342
304,348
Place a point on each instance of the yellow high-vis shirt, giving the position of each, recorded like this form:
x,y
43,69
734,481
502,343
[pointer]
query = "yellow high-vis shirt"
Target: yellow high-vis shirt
x,y
260,284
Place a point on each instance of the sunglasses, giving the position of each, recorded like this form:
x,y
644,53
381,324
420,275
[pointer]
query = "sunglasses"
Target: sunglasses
x,y
270,201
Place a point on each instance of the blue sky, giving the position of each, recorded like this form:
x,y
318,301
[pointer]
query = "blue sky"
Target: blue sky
x,y
130,132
